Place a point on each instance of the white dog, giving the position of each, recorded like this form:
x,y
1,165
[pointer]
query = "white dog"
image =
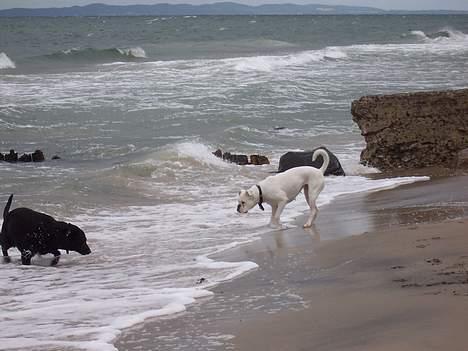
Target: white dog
x,y
280,189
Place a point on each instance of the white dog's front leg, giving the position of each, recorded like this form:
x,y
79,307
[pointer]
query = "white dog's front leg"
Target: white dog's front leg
x,y
275,216
274,208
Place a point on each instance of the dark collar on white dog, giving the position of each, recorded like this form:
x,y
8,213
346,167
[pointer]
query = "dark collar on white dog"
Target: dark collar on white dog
x,y
260,198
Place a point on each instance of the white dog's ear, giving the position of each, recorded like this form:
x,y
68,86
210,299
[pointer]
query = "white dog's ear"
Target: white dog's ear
x,y
250,193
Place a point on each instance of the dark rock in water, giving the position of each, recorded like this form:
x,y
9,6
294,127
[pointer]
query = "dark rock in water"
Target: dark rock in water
x,y
296,159
25,158
218,153
55,157
242,159
259,160
413,130
239,159
279,128
38,156
227,156
12,156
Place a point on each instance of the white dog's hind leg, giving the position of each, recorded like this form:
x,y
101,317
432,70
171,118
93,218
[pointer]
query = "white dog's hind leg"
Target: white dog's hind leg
x,y
305,189
310,198
312,215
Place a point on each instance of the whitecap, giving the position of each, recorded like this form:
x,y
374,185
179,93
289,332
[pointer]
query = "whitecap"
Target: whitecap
x,y
6,62
271,63
136,52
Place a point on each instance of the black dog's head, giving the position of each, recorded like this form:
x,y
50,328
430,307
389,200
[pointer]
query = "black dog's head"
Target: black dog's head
x,y
73,238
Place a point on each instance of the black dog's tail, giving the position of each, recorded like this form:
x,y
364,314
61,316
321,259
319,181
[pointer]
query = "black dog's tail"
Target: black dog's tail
x,y
7,207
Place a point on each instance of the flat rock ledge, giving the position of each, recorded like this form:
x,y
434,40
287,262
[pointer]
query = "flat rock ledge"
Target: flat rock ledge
x,y
414,130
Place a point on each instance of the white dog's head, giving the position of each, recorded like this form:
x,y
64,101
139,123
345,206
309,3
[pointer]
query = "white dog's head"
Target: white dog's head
x,y
246,200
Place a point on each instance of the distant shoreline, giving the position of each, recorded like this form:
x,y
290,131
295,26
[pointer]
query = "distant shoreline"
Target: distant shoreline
x,y
215,9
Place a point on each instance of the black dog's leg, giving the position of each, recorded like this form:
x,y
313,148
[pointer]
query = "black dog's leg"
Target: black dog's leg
x,y
56,258
6,258
26,256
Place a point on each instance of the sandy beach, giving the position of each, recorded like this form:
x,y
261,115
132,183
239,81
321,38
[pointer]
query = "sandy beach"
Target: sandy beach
x,y
380,271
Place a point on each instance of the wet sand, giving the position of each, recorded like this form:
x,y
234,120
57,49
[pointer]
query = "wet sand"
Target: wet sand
x,y
380,271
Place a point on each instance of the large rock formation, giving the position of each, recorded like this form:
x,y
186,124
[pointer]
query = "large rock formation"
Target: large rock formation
x,y
413,130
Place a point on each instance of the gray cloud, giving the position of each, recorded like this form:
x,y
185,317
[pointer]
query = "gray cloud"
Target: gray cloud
x,y
383,4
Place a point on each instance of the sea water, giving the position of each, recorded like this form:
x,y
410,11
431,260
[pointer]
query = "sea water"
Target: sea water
x,y
134,108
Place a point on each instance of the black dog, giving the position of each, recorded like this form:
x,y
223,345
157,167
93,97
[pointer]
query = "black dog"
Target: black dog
x,y
37,233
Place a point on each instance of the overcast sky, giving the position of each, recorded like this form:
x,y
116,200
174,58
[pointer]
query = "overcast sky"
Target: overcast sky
x,y
383,4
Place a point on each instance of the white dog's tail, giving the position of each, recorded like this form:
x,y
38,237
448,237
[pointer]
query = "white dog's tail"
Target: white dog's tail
x,y
326,159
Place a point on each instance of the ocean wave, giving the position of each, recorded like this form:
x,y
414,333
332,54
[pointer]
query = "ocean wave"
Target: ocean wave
x,y
167,164
444,41
271,63
192,152
93,54
445,35
6,62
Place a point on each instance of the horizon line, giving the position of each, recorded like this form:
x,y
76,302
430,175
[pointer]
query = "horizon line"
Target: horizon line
x,y
285,4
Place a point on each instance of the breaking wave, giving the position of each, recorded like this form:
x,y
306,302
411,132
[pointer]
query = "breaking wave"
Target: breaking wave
x,y
99,55
443,35
6,62
270,63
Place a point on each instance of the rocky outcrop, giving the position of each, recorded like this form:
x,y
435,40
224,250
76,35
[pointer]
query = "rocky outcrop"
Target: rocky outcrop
x,y
259,160
413,130
242,159
293,159
12,156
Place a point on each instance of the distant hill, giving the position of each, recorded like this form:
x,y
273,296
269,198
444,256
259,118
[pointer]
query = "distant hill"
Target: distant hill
x,y
220,8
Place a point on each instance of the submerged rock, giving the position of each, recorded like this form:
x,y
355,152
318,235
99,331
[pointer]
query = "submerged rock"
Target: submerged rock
x,y
413,130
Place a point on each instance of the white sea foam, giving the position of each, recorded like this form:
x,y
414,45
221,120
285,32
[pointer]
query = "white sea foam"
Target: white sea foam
x,y
447,40
137,52
444,36
99,295
322,73
6,62
200,152
270,63
89,53
419,33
